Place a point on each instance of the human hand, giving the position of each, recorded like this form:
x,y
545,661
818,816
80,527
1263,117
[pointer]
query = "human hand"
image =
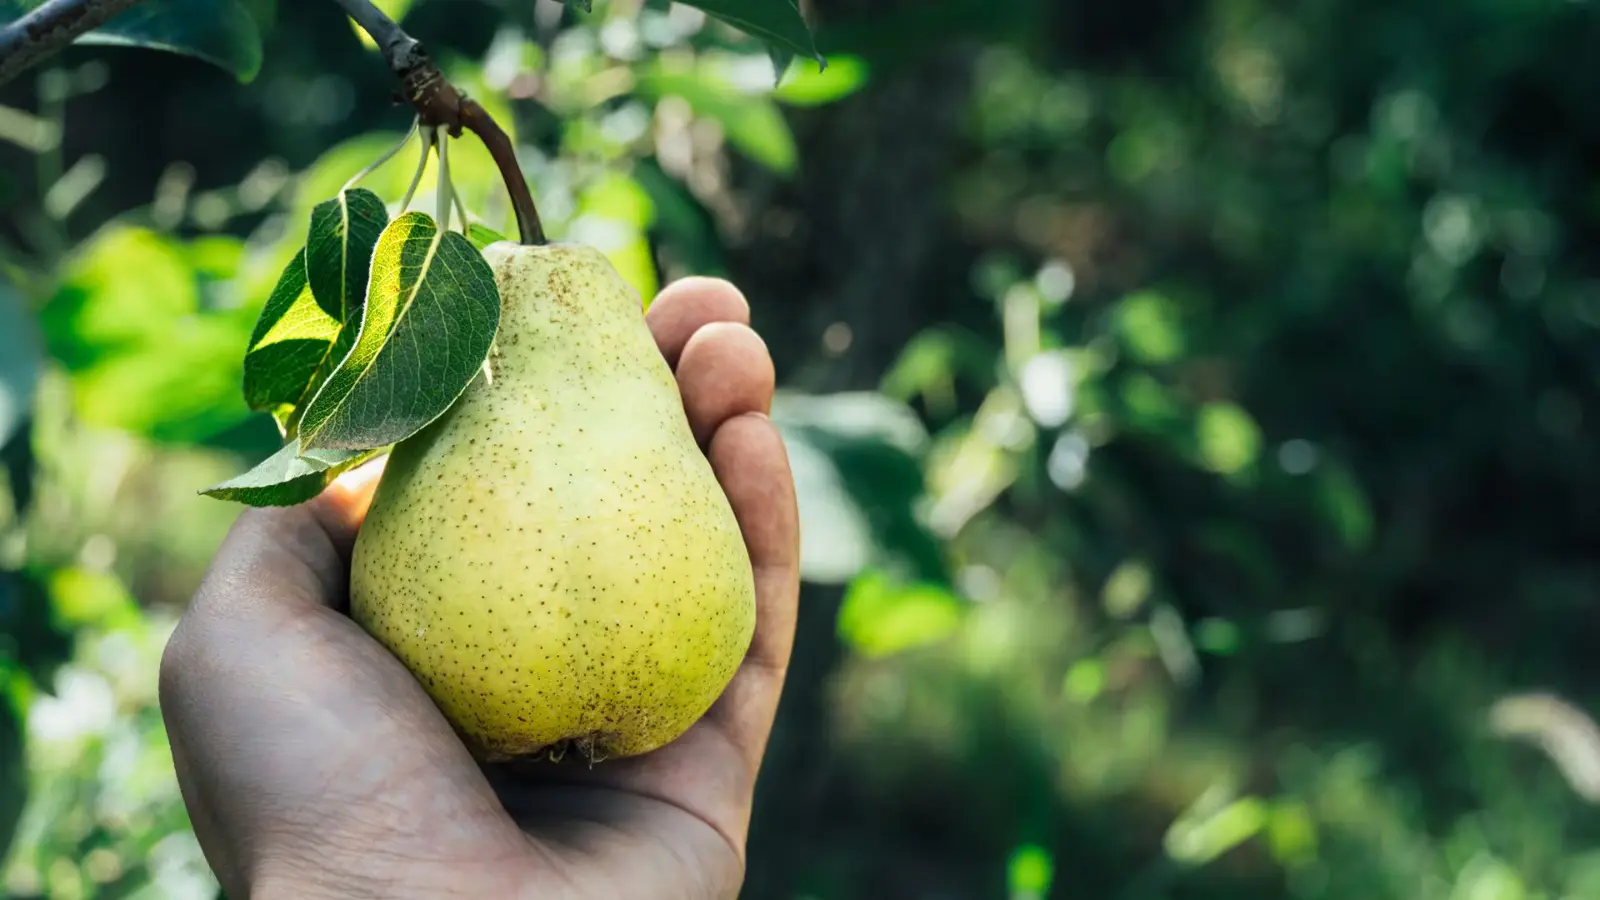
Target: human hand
x,y
314,765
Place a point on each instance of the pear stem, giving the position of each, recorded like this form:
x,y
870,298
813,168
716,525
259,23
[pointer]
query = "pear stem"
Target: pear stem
x,y
441,104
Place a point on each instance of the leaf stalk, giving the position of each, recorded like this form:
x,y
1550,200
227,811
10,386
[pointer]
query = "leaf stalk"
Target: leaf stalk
x,y
441,104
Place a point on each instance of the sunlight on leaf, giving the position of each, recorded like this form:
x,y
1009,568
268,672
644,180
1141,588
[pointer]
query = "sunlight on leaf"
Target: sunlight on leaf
x,y
806,85
1199,839
1148,323
127,322
431,315
291,344
1229,438
1030,872
83,597
881,617
482,236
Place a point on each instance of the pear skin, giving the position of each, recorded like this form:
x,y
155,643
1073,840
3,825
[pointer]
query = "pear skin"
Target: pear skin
x,y
553,558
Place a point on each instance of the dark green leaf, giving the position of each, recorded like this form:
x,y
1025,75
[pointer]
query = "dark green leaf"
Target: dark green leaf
x,y
339,246
482,236
585,5
17,464
292,340
221,32
431,315
777,22
782,57
19,361
30,635
289,476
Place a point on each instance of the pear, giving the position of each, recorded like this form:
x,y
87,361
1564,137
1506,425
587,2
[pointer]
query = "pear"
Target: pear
x,y
553,558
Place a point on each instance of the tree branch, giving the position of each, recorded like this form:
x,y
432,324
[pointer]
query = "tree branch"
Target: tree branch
x,y
50,27
439,103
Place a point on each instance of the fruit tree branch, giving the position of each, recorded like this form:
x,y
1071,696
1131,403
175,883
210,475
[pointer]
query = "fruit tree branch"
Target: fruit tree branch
x,y
439,103
51,26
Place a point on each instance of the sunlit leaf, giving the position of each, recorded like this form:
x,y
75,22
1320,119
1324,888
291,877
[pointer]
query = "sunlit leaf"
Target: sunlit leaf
x,y
290,345
1229,438
339,248
1148,323
289,476
431,315
482,236
1030,872
1199,839
121,288
87,598
810,86
182,387
221,32
619,198
881,616
144,356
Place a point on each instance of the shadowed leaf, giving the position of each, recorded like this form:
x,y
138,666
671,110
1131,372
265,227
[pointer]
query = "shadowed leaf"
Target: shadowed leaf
x,y
289,476
339,247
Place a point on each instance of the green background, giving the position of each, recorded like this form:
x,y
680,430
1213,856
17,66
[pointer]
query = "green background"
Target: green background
x,y
1193,406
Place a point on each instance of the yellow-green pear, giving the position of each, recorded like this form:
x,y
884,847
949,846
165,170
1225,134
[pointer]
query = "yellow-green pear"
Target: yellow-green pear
x,y
553,558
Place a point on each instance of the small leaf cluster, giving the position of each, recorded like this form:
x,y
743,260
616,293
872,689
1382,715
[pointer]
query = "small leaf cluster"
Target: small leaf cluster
x,y
373,330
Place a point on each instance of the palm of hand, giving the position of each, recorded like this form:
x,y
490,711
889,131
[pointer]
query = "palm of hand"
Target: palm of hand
x,y
314,764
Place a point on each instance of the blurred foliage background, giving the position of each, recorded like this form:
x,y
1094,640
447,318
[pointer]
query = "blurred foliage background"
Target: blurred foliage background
x,y
1193,407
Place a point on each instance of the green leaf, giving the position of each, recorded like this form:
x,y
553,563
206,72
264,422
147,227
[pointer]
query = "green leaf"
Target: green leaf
x,y
482,236
146,351
753,123
778,22
220,32
431,316
881,616
1229,439
585,5
290,344
811,87
289,476
339,248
